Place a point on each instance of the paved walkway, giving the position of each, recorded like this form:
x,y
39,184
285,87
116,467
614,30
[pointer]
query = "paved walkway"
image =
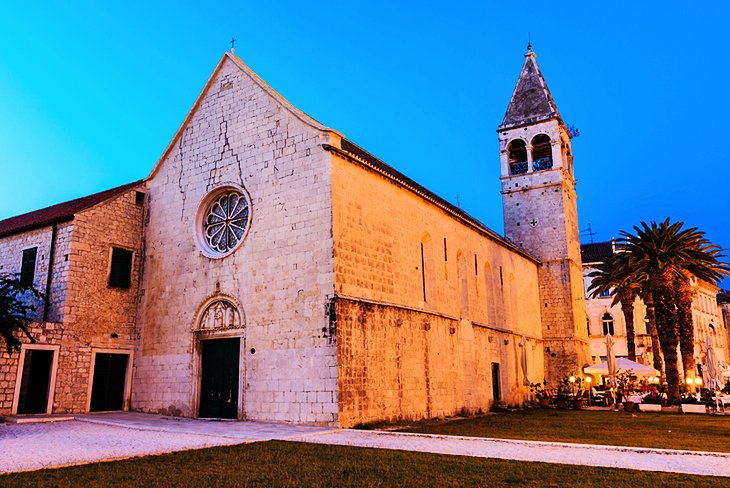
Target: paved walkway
x,y
98,437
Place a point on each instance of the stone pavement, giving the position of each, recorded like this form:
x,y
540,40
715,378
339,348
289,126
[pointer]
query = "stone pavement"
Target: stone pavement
x,y
97,437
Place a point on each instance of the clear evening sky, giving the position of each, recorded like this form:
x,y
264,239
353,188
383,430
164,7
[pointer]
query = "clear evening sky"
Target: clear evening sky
x,y
92,92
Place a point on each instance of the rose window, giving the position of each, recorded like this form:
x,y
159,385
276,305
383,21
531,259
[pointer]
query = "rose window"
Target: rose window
x,y
222,221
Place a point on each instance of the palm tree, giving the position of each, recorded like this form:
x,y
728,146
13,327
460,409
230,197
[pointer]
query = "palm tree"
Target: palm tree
x,y
664,253
615,276
683,296
656,348
17,306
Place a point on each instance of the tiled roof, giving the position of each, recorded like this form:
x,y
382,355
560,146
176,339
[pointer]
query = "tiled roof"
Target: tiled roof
x,y
723,296
596,253
356,153
531,101
59,213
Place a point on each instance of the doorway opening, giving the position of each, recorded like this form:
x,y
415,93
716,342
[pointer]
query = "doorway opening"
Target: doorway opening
x,y
496,387
109,382
35,381
219,378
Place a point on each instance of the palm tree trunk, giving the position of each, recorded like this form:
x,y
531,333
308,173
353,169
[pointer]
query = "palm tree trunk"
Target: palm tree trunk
x,y
662,290
627,307
683,294
651,317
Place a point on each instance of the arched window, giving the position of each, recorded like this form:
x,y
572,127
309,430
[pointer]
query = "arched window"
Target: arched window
x,y
542,153
463,279
517,154
607,322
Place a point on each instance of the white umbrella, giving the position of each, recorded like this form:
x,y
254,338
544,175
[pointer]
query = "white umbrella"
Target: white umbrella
x,y
623,364
523,344
710,366
611,360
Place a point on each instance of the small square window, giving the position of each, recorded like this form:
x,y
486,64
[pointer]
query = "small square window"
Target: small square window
x,y
27,267
121,269
139,198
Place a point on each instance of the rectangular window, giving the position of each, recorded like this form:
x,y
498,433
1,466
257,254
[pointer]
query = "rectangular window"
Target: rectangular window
x,y
604,294
27,268
121,269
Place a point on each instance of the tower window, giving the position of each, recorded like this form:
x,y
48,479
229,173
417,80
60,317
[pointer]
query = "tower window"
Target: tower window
x,y
517,154
542,153
607,322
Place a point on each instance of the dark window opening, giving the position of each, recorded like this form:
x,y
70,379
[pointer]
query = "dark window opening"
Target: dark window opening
x,y
121,270
139,198
27,268
607,322
423,273
446,256
517,156
542,153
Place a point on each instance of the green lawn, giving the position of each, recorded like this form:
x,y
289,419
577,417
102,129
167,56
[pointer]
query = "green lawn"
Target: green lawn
x,y
662,430
277,463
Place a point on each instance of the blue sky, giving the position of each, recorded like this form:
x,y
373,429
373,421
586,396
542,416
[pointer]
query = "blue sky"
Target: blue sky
x,y
91,94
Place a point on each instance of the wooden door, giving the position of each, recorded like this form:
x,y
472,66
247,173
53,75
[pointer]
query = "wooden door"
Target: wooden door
x,y
110,377
219,378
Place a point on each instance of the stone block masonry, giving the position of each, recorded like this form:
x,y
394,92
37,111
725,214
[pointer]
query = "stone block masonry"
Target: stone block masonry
x,y
242,133
84,312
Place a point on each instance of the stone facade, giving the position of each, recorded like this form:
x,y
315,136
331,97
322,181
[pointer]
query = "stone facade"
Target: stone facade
x,y
426,304
240,132
83,313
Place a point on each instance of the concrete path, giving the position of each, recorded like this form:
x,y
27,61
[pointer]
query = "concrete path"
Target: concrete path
x,y
106,437
97,437
666,460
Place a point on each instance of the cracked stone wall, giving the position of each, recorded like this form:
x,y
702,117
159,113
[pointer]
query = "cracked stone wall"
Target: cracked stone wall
x,y
403,357
281,275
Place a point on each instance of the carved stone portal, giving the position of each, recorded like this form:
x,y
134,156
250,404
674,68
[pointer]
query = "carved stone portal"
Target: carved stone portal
x,y
220,314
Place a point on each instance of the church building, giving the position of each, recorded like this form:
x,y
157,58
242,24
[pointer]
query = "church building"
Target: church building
x,y
268,268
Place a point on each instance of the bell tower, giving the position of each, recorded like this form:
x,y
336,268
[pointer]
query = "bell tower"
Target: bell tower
x,y
541,215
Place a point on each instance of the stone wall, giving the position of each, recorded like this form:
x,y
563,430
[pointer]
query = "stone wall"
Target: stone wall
x,y
86,313
240,132
11,254
96,315
403,356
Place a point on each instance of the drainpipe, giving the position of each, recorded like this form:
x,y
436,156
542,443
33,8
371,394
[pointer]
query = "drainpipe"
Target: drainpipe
x,y
51,257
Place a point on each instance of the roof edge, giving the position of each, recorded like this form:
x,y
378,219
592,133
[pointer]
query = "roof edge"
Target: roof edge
x,y
399,178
